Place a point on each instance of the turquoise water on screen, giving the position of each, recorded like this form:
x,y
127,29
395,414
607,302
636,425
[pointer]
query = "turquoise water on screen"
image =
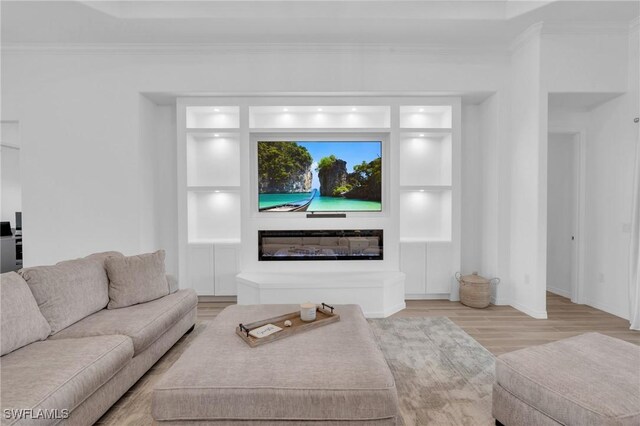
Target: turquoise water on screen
x,y
320,204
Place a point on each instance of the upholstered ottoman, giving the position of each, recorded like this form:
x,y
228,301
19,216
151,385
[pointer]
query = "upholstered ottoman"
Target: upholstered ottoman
x,y
590,379
332,375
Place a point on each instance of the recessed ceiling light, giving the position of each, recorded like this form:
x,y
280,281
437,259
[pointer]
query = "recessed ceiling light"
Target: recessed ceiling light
x,y
422,190
285,109
319,109
421,110
215,135
422,135
217,191
216,109
354,109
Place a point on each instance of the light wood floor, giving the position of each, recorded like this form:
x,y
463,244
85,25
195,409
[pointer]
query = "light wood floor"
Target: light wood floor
x,y
503,329
500,329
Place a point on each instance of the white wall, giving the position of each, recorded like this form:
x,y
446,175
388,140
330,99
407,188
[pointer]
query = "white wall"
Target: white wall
x,y
82,117
472,184
585,62
496,171
610,138
83,141
158,201
528,177
611,141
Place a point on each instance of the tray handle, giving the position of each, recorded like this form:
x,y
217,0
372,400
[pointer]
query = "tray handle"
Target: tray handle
x,y
325,306
245,329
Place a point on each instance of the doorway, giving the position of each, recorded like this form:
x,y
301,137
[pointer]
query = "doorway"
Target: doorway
x,y
10,197
563,214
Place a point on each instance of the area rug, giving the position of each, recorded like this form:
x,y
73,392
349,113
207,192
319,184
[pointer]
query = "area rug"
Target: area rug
x,y
443,376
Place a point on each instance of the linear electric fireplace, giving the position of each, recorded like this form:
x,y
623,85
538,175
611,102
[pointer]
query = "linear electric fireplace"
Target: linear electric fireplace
x,y
351,244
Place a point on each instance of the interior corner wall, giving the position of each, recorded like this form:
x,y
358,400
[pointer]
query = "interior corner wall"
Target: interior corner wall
x,y
611,143
157,181
471,199
495,172
612,138
528,179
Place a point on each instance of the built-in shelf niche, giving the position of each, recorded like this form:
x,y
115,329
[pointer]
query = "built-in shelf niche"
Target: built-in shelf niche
x,y
426,117
425,215
426,159
213,216
213,117
319,117
213,160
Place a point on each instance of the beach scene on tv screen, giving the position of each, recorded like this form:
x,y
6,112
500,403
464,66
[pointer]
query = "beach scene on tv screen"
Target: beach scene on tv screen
x,y
319,176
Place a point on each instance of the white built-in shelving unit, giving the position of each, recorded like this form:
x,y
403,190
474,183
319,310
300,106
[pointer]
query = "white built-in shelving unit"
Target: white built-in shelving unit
x,y
209,182
429,145
218,217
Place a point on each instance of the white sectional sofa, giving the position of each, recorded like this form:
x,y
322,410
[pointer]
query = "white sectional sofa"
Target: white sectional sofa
x,y
66,358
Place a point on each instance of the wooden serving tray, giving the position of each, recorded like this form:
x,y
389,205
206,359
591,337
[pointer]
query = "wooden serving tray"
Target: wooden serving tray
x,y
324,316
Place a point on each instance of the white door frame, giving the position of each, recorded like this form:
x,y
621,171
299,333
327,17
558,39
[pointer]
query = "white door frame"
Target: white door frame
x,y
579,137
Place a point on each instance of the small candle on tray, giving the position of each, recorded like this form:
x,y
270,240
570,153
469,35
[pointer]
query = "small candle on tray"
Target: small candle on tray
x,y
308,312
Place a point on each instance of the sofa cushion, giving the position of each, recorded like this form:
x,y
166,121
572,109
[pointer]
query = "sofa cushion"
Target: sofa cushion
x,y
60,374
143,323
70,290
136,279
20,319
590,379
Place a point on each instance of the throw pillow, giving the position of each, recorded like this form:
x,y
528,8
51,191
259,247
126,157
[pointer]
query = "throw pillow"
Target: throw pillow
x,y
136,279
71,290
21,320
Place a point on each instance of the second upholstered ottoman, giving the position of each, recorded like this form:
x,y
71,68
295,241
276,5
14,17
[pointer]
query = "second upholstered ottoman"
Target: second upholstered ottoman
x,y
591,379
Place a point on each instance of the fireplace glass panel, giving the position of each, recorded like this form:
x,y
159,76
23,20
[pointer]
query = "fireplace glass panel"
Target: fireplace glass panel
x,y
361,244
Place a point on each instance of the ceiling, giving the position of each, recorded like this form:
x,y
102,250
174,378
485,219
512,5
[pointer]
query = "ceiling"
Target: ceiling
x,y
437,23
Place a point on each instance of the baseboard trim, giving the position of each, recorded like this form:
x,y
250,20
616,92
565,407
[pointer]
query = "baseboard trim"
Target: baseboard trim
x,y
387,312
531,312
499,302
437,296
559,292
229,299
606,308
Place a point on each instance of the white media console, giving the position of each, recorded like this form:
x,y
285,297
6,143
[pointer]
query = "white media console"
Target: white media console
x,y
379,294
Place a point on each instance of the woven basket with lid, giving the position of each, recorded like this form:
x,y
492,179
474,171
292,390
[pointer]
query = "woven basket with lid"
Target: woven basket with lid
x,y
475,290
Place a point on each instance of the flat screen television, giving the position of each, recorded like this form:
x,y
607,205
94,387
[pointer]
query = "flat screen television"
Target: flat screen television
x,y
320,176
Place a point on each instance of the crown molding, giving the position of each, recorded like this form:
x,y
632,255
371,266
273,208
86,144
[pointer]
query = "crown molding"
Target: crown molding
x,y
441,51
614,28
531,32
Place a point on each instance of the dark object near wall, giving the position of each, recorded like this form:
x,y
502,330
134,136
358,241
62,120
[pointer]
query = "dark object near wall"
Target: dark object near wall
x,y
5,229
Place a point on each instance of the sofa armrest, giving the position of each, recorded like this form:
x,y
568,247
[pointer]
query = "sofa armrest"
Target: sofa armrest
x,y
173,284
